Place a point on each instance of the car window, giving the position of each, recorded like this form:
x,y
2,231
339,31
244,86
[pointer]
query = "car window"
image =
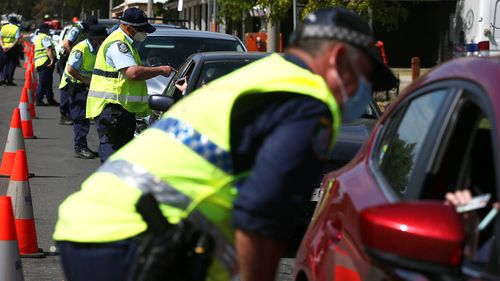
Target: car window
x,y
404,137
185,70
172,51
215,69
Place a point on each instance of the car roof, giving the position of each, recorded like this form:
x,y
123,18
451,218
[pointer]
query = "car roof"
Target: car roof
x,y
180,32
481,70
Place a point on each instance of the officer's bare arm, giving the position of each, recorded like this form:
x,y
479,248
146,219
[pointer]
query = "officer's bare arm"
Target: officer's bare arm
x,y
138,72
66,45
258,256
74,72
51,56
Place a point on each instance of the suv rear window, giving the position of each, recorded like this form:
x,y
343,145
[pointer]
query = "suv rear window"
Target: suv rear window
x,y
172,51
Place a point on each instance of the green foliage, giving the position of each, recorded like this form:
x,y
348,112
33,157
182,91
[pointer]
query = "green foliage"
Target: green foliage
x,y
387,13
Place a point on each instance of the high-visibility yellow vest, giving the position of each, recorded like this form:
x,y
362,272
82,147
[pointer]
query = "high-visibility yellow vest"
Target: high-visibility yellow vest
x,y
185,161
109,85
88,60
41,55
9,34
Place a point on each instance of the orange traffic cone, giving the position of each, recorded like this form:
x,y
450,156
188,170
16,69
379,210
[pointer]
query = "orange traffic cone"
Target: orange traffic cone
x,y
15,141
19,190
25,117
10,263
31,96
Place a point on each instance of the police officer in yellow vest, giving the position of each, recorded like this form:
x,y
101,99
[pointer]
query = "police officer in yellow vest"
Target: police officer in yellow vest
x,y
9,43
75,82
45,59
118,88
75,35
214,187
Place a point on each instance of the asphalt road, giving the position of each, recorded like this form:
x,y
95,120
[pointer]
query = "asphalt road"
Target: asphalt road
x,y
57,175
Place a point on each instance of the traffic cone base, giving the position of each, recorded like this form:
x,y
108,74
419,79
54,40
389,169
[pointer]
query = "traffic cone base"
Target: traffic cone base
x,y
19,190
15,141
10,263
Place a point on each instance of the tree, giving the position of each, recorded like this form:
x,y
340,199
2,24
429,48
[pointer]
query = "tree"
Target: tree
x,y
387,13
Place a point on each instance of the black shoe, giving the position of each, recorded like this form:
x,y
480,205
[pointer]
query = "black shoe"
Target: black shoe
x,y
84,153
40,103
65,120
52,103
10,83
3,82
93,152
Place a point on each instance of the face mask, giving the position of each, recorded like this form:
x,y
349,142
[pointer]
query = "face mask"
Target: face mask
x,y
354,107
140,36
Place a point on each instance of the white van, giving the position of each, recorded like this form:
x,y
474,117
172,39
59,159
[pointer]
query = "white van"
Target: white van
x,y
476,28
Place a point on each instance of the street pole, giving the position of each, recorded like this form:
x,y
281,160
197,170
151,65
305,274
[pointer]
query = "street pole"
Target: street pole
x,y
150,9
110,9
294,14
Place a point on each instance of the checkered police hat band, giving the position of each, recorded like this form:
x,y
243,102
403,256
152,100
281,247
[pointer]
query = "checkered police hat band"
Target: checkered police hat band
x,y
336,33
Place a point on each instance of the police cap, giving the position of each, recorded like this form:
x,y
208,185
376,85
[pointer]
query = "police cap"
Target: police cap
x,y
136,18
43,28
97,32
344,25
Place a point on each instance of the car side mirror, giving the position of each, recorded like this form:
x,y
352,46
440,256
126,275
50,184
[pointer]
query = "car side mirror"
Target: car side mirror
x,y
160,102
423,236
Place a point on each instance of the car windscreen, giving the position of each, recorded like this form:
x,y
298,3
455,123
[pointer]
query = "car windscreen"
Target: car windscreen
x,y
172,51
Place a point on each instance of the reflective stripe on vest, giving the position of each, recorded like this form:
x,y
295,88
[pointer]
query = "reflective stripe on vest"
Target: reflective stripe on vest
x,y
140,177
108,85
9,34
198,142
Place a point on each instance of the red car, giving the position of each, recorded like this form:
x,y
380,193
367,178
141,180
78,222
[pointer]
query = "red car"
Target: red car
x,y
383,217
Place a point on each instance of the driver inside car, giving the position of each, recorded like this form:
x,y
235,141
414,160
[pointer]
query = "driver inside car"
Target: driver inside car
x,y
480,250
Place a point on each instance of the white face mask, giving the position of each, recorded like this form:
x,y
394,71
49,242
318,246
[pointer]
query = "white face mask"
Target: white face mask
x,y
140,36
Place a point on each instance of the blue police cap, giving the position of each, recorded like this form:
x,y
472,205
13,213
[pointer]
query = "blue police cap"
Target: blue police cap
x,y
344,25
136,18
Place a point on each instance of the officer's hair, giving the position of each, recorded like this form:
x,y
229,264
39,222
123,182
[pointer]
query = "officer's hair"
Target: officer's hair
x,y
314,47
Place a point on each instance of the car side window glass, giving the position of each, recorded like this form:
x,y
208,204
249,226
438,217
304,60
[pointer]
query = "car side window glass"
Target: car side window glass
x,y
402,143
170,90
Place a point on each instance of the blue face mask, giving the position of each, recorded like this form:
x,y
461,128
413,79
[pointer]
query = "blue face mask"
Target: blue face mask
x,y
355,106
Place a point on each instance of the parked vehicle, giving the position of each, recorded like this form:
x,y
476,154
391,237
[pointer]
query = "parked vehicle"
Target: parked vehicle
x,y
172,46
476,28
383,217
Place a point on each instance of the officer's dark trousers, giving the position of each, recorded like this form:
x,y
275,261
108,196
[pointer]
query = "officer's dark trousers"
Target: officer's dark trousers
x,y
122,133
9,67
97,262
77,103
64,103
45,82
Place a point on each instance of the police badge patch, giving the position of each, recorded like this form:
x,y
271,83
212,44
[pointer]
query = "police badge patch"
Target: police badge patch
x,y
78,55
122,47
73,32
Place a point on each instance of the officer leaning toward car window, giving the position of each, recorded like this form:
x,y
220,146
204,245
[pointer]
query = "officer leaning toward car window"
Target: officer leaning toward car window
x,y
118,88
75,35
45,59
75,82
216,185
9,49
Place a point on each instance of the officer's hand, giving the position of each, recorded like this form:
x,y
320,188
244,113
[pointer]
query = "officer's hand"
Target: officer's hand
x,y
51,64
166,70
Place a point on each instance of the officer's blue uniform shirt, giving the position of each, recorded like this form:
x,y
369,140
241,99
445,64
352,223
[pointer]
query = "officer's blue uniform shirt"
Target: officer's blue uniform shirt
x,y
119,55
76,58
73,33
283,139
47,42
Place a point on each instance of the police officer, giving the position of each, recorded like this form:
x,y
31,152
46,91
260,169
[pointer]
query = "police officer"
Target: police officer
x,y
45,59
9,42
236,160
75,82
75,35
118,89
